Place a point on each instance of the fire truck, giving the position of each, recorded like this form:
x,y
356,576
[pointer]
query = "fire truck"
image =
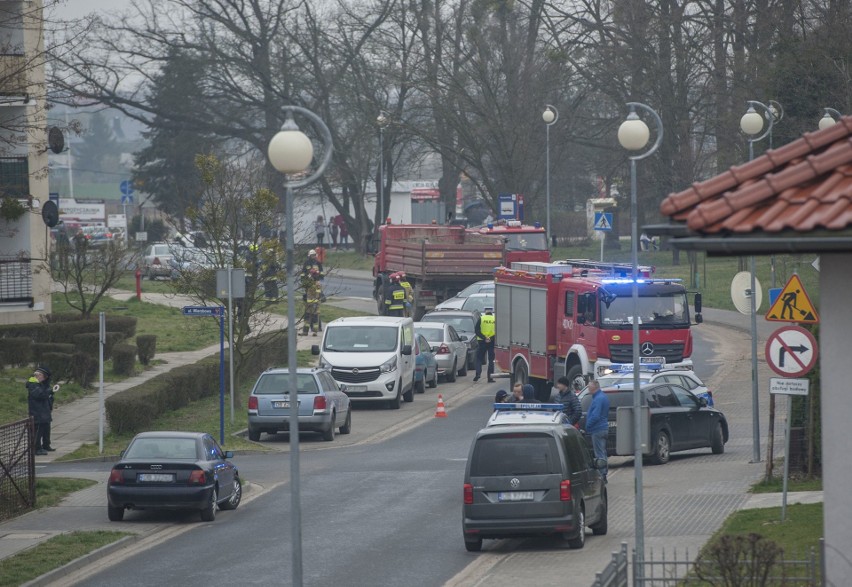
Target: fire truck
x,y
574,318
439,261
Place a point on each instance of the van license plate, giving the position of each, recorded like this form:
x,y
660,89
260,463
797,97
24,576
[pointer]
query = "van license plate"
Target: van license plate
x,y
354,388
515,496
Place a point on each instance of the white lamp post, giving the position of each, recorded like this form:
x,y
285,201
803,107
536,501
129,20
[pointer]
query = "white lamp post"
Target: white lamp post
x,y
633,135
291,152
829,118
751,124
549,116
382,121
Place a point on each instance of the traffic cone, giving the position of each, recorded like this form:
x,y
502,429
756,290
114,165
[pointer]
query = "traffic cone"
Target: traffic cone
x,y
440,412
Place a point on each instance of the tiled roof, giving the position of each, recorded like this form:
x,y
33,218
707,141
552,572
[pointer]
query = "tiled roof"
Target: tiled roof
x,y
801,187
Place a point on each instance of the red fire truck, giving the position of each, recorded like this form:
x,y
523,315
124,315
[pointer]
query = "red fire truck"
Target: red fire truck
x,y
575,318
439,261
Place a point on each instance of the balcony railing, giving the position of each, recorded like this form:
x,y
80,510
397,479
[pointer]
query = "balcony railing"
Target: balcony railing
x,y
13,75
16,280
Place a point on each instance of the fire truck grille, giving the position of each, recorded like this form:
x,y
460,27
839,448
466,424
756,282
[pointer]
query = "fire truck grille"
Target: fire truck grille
x,y
360,375
623,353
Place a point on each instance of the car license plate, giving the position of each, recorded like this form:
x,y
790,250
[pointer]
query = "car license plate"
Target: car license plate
x,y
356,388
612,424
156,477
515,496
280,404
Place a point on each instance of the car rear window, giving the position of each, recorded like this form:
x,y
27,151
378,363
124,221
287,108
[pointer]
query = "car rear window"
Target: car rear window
x,y
432,334
460,323
515,454
162,448
278,383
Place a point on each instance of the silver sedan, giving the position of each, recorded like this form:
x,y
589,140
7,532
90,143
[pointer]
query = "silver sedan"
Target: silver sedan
x,y
449,348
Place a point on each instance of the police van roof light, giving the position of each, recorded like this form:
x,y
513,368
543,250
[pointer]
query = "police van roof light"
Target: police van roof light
x,y
521,406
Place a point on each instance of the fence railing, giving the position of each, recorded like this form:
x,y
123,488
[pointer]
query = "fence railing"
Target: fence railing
x,y
16,280
682,570
17,468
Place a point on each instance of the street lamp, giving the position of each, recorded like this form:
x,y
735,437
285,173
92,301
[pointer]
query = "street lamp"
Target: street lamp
x,y
549,116
291,152
829,118
751,124
776,111
633,135
382,121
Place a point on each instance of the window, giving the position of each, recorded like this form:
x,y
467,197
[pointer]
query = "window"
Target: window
x,y
569,303
586,307
665,398
14,177
515,454
453,336
686,399
278,383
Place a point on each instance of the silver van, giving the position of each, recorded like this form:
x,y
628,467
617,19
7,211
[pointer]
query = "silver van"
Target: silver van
x,y
371,356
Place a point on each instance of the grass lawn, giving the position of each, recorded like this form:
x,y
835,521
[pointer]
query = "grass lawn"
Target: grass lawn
x,y
775,485
128,283
51,490
14,393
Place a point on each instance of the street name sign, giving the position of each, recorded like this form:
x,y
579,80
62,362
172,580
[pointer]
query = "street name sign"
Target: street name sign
x,y
202,311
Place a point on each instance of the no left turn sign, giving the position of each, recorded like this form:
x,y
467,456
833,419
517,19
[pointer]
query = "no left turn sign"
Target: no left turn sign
x,y
791,351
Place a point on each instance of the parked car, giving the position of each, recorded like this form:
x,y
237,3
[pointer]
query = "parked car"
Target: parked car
x,y
650,373
465,324
426,366
530,474
679,420
173,471
450,350
97,235
478,302
323,407
155,261
455,303
187,261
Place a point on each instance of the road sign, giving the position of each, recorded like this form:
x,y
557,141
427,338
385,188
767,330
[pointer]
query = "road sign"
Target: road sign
x,y
603,220
202,311
791,351
126,187
793,305
141,237
126,200
785,386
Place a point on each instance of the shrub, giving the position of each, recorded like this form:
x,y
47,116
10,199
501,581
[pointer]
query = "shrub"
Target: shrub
x,y
123,324
65,331
83,369
147,345
88,343
15,351
60,365
39,348
123,359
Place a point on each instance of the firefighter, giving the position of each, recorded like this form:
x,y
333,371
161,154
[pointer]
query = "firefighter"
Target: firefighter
x,y
394,297
313,297
485,330
409,293
312,262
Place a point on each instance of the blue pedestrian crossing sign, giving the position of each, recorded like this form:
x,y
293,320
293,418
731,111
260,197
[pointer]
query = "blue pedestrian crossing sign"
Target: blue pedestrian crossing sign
x,y
603,220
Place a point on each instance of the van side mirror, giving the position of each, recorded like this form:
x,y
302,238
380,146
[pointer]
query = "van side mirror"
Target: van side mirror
x,y
315,349
406,349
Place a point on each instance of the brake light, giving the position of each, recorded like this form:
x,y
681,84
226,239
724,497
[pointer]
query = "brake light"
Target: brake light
x,y
156,261
443,350
197,477
320,403
565,491
468,494
252,403
116,477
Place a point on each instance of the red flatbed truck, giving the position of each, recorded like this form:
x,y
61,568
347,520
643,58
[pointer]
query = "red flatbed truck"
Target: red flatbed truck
x,y
574,318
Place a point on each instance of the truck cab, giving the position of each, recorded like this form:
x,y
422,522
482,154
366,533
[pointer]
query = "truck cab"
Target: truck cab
x,y
524,243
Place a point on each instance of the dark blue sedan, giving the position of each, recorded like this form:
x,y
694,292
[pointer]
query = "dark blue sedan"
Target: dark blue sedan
x,y
426,365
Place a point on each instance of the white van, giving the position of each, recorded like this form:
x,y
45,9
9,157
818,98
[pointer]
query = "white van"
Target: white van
x,y
370,357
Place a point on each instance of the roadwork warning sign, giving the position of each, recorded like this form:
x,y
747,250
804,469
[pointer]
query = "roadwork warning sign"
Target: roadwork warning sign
x,y
793,305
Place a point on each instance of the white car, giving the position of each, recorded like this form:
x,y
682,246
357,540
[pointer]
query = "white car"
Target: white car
x,y
455,303
682,377
155,262
449,348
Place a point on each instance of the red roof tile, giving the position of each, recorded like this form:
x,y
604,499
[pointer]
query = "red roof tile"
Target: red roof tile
x,y
803,186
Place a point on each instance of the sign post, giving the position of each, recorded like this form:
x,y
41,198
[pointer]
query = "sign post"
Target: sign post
x,y
603,222
788,387
216,312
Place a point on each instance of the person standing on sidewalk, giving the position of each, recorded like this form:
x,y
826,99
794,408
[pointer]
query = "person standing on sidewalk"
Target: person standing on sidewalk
x,y
597,422
569,400
40,403
485,329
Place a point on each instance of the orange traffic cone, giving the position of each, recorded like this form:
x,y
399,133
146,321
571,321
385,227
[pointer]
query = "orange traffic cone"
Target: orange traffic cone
x,y
440,412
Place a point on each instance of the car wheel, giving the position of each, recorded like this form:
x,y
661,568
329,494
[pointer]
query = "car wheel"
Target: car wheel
x,y
474,545
115,514
579,541
600,527
662,449
433,383
420,386
347,426
451,373
253,434
463,370
408,396
394,403
236,496
718,442
208,514
328,435
575,376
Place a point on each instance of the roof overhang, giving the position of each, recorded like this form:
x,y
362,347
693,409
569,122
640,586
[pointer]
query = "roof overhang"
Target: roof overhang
x,y
755,243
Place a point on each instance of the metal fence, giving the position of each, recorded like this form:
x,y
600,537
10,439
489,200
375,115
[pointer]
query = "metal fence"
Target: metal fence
x,y
17,468
16,280
660,570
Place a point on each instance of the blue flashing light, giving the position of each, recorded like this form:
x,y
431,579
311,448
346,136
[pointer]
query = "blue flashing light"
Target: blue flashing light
x,y
490,226
628,367
538,224
537,407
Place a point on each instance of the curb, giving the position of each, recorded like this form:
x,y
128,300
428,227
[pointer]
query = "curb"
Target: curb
x,y
84,560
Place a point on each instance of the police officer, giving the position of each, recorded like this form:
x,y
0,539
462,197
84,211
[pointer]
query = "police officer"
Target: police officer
x,y
485,343
394,297
409,293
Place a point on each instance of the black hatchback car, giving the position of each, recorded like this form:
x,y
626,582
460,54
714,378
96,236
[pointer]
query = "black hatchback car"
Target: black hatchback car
x,y
679,420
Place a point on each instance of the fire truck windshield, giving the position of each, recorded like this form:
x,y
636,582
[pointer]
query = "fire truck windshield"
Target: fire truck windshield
x,y
526,241
659,307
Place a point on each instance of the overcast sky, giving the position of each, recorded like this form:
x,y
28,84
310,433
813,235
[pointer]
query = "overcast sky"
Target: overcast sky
x,y
70,9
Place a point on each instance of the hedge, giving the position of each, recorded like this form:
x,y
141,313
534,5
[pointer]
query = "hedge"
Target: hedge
x,y
123,359
15,351
89,343
84,369
61,365
147,345
39,348
137,408
64,329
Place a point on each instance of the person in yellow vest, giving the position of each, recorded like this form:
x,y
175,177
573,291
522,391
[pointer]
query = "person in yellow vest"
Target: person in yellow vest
x,y
409,293
312,296
394,297
485,329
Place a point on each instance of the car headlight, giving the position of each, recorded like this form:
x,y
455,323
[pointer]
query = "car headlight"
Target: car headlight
x,y
389,365
323,364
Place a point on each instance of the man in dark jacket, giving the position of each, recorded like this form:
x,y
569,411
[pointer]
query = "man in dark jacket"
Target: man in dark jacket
x,y
569,400
40,402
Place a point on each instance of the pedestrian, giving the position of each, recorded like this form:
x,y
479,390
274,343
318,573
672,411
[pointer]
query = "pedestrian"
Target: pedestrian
x,y
485,329
394,297
501,397
344,232
569,400
319,229
517,393
529,394
333,231
312,297
40,403
597,423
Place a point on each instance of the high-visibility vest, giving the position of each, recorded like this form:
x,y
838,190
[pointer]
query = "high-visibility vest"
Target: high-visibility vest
x,y
397,301
486,325
314,293
409,294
